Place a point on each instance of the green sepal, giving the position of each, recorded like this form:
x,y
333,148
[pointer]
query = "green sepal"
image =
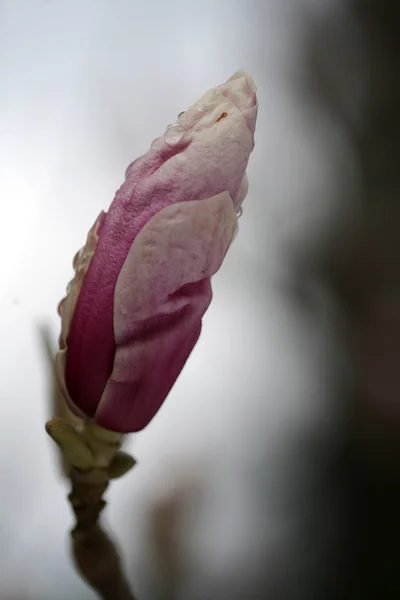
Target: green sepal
x,y
120,464
75,450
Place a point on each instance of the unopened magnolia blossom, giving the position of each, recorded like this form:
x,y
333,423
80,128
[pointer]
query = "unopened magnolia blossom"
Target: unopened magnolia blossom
x,y
133,311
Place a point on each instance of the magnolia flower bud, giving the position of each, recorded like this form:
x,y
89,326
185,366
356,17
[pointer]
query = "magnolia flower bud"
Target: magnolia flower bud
x,y
133,311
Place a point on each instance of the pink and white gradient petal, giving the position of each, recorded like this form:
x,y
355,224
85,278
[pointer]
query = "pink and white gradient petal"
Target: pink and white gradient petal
x,y
162,293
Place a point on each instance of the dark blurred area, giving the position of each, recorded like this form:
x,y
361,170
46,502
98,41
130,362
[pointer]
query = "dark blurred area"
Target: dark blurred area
x,y
361,266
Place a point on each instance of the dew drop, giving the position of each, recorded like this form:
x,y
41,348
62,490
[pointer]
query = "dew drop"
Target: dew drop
x,y
60,307
174,134
157,143
77,258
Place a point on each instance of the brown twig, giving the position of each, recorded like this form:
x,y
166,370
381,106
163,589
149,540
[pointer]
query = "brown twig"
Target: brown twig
x,y
94,458
95,555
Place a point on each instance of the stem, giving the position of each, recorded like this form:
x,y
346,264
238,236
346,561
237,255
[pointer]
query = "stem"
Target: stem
x,y
93,457
95,555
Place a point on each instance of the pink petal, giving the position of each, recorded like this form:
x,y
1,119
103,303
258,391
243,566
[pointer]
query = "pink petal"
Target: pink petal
x,y
162,292
66,307
81,264
198,157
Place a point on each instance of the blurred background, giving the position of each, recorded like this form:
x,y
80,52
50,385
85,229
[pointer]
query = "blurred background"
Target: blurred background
x,y
271,471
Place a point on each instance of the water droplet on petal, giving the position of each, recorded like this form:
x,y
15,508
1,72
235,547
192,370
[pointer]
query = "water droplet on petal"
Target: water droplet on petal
x,y
60,307
174,134
157,144
76,258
